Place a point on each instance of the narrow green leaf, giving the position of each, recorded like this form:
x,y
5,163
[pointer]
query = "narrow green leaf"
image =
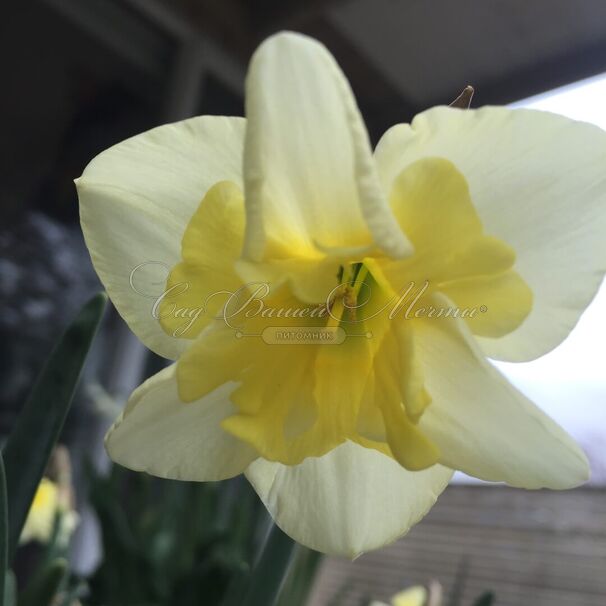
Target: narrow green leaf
x,y
44,587
240,580
3,533
39,425
300,578
10,589
270,571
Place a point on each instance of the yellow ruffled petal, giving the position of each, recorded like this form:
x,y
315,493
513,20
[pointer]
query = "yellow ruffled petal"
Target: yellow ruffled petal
x,y
278,412
202,283
398,391
310,279
538,183
215,358
295,400
280,407
501,302
370,424
275,406
432,202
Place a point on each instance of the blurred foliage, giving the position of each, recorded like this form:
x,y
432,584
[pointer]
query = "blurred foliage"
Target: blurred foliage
x,y
43,577
167,542
298,584
32,439
45,585
164,542
267,578
25,457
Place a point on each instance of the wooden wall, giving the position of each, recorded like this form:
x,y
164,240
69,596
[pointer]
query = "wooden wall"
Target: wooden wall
x,y
535,548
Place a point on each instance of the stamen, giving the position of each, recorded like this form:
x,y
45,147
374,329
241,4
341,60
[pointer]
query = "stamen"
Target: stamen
x,y
463,101
350,301
355,272
348,289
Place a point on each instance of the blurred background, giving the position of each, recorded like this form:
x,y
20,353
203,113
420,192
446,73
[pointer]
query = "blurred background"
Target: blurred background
x,y
80,75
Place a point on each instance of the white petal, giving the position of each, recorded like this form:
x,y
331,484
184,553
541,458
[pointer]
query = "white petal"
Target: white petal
x,y
136,199
349,501
538,183
481,423
159,434
310,178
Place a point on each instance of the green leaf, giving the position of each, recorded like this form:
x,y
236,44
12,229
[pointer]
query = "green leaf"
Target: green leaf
x,y
270,571
10,589
45,586
300,578
39,425
240,580
486,599
3,533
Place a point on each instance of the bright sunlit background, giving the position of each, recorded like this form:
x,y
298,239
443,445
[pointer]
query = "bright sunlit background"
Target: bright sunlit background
x,y
570,382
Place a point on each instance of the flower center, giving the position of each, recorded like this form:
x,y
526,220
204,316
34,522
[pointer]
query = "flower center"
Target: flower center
x,y
343,300
297,399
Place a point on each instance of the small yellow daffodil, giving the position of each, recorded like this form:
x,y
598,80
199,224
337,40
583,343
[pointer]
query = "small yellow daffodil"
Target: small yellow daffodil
x,y
413,596
47,508
331,309
41,516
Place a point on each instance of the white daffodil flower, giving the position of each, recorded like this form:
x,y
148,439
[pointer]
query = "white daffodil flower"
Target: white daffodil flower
x,y
331,309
